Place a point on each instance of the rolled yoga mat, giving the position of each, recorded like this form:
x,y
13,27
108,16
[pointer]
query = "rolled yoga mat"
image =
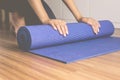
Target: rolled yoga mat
x,y
81,43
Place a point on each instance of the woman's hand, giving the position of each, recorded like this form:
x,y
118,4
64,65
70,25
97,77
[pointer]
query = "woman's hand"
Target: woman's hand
x,y
59,25
94,24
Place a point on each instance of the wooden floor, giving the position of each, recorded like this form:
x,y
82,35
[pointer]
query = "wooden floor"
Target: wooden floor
x,y
18,65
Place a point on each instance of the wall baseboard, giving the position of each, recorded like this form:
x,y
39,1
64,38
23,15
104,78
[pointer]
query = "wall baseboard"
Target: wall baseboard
x,y
117,25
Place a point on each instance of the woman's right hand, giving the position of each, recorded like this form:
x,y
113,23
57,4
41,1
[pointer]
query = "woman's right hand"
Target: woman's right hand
x,y
59,25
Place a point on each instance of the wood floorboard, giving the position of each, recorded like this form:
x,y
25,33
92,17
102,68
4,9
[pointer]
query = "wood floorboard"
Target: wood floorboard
x,y
18,65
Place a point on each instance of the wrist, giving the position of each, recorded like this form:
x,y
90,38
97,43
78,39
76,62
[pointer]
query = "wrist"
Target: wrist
x,y
45,21
83,19
80,19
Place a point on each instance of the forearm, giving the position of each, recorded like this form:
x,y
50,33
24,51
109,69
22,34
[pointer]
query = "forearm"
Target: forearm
x,y
71,5
39,10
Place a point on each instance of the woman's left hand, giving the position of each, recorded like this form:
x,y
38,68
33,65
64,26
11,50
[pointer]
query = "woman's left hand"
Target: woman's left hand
x,y
94,24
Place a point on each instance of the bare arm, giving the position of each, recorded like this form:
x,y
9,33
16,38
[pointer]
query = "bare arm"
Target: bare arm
x,y
57,24
39,10
60,25
94,24
71,5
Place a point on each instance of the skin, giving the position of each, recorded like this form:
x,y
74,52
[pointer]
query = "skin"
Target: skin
x,y
57,24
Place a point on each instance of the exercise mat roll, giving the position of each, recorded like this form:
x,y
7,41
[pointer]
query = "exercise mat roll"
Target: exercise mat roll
x,y
81,43
39,36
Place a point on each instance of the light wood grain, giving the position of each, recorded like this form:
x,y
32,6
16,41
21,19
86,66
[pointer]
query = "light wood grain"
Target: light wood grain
x,y
18,65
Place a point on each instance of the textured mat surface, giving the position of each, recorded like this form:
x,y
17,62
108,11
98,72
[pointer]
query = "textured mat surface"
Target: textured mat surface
x,y
81,43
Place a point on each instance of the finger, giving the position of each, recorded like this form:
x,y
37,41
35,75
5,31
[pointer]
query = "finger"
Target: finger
x,y
94,30
66,29
98,29
92,25
54,27
97,26
63,29
97,23
59,29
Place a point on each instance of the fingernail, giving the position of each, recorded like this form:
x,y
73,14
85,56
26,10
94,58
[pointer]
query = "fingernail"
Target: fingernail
x,y
55,28
61,32
98,30
96,33
67,33
64,35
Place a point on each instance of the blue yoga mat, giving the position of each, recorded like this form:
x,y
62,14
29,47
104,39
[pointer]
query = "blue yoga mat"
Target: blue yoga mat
x,y
81,43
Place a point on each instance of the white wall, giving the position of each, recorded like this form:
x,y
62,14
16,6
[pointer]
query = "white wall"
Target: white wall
x,y
106,9
98,9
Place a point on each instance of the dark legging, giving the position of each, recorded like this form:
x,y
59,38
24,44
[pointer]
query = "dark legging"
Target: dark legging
x,y
24,9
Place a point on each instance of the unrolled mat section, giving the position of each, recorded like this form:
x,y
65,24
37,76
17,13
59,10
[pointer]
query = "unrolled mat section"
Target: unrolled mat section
x,y
81,43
